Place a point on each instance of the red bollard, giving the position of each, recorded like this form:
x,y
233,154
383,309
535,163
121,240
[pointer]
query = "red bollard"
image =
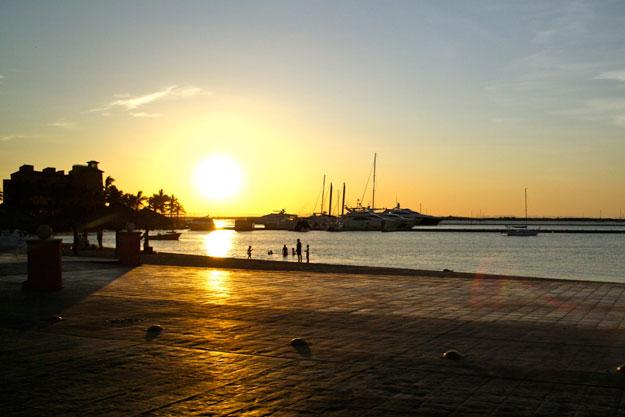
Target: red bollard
x,y
128,248
44,265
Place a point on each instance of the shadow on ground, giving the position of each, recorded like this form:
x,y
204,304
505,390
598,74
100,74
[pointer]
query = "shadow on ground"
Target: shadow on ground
x,y
22,310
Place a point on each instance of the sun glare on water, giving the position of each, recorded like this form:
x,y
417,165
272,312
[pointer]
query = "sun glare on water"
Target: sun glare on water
x,y
218,177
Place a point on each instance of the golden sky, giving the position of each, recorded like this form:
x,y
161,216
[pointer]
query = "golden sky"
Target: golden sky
x,y
465,105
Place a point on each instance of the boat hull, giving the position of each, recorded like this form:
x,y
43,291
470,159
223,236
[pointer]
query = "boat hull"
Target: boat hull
x,y
166,236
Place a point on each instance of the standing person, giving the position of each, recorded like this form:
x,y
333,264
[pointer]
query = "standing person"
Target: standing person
x,y
249,252
99,234
298,250
307,254
285,251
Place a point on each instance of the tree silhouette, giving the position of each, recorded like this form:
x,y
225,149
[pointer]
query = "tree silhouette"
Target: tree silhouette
x,y
158,201
135,202
174,207
113,196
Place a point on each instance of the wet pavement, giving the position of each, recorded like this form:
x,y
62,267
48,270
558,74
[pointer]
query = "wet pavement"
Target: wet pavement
x,y
372,345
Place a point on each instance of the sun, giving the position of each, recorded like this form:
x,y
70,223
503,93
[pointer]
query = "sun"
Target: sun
x,y
218,177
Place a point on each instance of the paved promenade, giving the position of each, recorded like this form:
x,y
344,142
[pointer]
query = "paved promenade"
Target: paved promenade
x,y
529,347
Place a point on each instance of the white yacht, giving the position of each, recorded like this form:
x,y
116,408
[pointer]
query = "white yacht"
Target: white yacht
x,y
393,222
415,217
361,219
322,221
278,220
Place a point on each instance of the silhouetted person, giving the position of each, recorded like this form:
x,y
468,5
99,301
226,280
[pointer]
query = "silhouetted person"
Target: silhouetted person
x,y
249,252
99,234
285,251
298,250
76,244
85,240
146,242
292,251
307,254
270,252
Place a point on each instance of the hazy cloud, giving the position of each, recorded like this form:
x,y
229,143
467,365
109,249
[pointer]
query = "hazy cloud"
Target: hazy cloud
x,y
145,115
62,124
131,102
612,76
600,110
543,36
14,136
573,45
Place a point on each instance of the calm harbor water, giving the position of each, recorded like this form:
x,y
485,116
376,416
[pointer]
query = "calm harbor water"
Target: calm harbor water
x,y
594,257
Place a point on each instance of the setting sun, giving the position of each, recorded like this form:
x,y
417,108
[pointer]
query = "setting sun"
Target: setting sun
x,y
218,177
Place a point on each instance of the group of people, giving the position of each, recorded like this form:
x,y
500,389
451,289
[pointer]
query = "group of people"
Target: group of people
x,y
297,250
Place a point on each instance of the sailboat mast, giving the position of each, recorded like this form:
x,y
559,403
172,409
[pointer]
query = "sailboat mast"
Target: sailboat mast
x,y
526,206
338,200
375,157
330,204
343,205
323,190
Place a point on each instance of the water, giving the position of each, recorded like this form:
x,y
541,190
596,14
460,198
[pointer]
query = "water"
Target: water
x,y
592,257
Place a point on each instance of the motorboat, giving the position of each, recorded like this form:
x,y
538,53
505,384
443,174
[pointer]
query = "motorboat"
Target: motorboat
x,y
204,224
243,225
417,219
361,219
521,230
321,221
393,222
165,236
278,220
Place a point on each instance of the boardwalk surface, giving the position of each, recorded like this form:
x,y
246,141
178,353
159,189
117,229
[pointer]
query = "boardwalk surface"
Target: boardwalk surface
x,y
529,347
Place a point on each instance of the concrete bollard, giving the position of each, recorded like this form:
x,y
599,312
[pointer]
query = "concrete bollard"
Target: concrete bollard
x,y
128,248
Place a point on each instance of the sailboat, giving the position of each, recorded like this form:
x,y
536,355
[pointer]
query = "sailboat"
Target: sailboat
x,y
366,218
323,220
522,230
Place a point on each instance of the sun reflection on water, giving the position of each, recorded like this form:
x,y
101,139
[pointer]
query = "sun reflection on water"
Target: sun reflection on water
x,y
218,243
218,283
220,224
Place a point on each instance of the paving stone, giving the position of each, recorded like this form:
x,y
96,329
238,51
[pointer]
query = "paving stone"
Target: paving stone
x,y
531,347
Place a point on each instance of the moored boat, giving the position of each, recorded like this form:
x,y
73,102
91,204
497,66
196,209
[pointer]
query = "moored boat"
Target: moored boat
x,y
521,230
361,219
416,218
165,236
243,225
279,220
204,224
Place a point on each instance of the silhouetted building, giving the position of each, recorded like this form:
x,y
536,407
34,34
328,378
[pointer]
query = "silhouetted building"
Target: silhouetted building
x,y
50,196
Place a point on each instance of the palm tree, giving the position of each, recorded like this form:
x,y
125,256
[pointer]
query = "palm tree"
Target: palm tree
x,y
112,195
172,201
135,202
158,201
174,208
